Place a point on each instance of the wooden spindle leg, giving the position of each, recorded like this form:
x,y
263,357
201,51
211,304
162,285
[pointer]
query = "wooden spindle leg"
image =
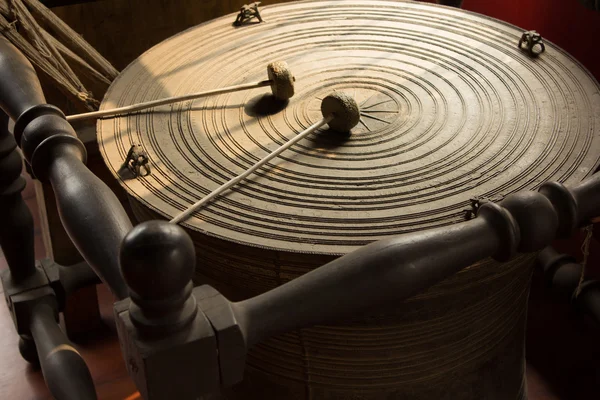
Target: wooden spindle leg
x,y
65,371
90,212
28,350
162,331
563,274
27,289
16,222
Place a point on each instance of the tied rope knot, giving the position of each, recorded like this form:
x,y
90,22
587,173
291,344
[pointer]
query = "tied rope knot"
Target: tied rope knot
x,y
13,16
11,26
87,97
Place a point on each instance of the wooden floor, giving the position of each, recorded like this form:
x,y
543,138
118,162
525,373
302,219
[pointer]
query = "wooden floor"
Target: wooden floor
x,y
563,351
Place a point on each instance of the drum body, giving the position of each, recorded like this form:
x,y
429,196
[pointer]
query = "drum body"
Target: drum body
x,y
462,339
452,114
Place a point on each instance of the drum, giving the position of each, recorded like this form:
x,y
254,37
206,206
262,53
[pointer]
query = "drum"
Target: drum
x,y
453,113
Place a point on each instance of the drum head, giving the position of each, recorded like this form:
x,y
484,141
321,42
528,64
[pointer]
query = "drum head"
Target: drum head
x,y
451,109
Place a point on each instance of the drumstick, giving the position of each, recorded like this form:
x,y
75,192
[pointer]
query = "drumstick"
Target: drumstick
x,y
340,112
280,79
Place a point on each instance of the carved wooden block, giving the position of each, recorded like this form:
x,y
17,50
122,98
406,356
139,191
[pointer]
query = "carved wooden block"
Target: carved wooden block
x,y
183,365
22,298
232,345
164,335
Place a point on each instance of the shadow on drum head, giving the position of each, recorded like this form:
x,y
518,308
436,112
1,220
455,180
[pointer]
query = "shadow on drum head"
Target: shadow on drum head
x,y
125,173
264,105
327,139
196,107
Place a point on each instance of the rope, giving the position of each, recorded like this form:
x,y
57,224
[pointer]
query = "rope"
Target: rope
x,y
11,10
47,54
585,249
88,99
11,25
44,46
72,39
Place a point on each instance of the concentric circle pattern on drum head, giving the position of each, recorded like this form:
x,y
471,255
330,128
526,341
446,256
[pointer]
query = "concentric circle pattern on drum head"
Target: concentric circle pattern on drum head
x,y
451,110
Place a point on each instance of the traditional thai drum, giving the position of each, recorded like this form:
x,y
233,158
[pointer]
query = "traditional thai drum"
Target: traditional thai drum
x,y
454,111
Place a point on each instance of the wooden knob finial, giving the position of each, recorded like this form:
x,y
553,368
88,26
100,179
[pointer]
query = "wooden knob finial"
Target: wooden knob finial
x,y
157,261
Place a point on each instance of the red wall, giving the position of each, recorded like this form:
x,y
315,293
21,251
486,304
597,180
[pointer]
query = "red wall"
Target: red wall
x,y
566,23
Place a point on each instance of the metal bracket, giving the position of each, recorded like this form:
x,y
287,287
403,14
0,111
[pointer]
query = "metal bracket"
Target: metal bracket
x,y
476,202
136,160
533,43
247,13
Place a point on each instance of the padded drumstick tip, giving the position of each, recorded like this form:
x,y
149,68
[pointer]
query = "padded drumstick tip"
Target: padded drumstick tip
x,y
282,80
344,109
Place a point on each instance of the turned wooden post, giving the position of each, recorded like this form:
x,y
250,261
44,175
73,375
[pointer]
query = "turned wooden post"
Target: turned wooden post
x,y
158,262
165,338
91,214
65,371
562,275
394,269
16,222
29,291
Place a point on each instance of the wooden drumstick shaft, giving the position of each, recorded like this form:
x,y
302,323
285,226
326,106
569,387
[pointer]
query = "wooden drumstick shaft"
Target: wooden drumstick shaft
x,y
185,214
168,100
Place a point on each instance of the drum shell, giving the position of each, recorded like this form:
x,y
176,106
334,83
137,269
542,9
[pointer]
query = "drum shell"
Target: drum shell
x,y
461,339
